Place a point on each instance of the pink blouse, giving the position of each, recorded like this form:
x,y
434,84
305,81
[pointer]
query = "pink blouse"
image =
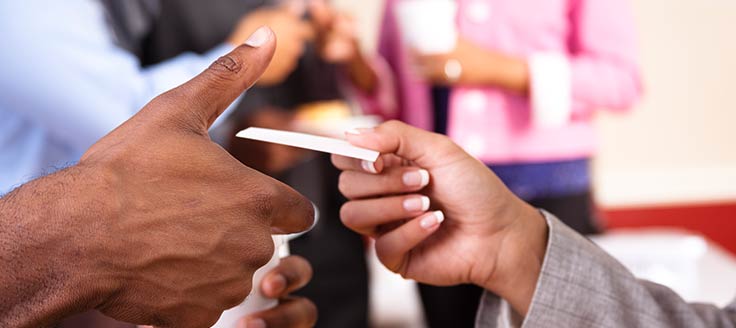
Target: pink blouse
x,y
581,55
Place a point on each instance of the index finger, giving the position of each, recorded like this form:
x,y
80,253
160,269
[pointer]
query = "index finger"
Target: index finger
x,y
343,163
289,211
422,148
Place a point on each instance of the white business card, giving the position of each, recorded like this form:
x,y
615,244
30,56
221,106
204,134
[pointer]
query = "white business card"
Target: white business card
x,y
308,141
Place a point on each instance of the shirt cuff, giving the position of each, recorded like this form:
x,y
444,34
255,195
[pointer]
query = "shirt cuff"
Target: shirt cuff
x,y
551,89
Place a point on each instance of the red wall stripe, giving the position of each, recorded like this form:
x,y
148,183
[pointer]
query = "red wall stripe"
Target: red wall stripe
x,y
715,221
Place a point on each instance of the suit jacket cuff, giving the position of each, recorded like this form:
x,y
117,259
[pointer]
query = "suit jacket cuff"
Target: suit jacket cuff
x,y
570,275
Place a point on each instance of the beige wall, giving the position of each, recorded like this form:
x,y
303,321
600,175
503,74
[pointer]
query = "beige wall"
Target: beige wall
x,y
679,145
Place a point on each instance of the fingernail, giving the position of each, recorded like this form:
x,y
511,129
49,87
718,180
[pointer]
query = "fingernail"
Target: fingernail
x,y
416,204
256,323
360,131
259,37
432,220
369,166
418,178
276,285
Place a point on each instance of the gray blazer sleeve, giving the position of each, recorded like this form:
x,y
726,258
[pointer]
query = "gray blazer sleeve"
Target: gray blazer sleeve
x,y
582,286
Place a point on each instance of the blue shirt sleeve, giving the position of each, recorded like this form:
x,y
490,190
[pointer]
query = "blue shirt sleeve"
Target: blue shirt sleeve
x,y
61,69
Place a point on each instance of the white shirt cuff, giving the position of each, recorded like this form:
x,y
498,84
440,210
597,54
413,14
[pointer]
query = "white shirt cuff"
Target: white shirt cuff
x,y
551,90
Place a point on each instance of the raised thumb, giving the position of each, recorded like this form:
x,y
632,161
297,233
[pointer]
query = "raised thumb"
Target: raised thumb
x,y
200,101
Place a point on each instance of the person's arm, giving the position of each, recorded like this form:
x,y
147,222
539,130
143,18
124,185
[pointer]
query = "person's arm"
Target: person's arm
x,y
44,275
156,224
62,69
604,64
367,78
582,286
600,70
439,216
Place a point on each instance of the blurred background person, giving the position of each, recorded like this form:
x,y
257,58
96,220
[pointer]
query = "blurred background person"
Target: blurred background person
x,y
85,78
519,92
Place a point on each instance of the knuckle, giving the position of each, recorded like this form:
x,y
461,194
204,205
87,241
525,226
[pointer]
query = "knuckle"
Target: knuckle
x,y
445,143
393,124
227,68
263,200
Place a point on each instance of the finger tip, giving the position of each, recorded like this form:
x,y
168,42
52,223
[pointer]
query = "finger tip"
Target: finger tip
x,y
379,164
440,216
369,166
250,322
430,222
262,36
274,286
425,177
425,203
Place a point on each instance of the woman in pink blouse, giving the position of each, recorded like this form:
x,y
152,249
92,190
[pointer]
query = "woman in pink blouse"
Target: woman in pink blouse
x,y
518,92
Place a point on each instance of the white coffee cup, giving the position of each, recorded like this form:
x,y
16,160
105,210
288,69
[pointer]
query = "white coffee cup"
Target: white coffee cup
x,y
256,301
428,26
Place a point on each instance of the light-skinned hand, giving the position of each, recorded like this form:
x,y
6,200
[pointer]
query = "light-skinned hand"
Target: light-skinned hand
x,y
440,216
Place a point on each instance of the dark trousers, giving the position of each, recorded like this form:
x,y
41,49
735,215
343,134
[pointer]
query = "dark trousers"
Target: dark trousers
x,y
456,306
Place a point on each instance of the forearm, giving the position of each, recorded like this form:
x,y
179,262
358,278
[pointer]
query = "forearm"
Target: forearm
x,y
361,73
43,270
498,70
380,98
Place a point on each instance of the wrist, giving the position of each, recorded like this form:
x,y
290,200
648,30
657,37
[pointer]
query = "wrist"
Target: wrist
x,y
81,209
94,209
510,73
520,257
44,223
